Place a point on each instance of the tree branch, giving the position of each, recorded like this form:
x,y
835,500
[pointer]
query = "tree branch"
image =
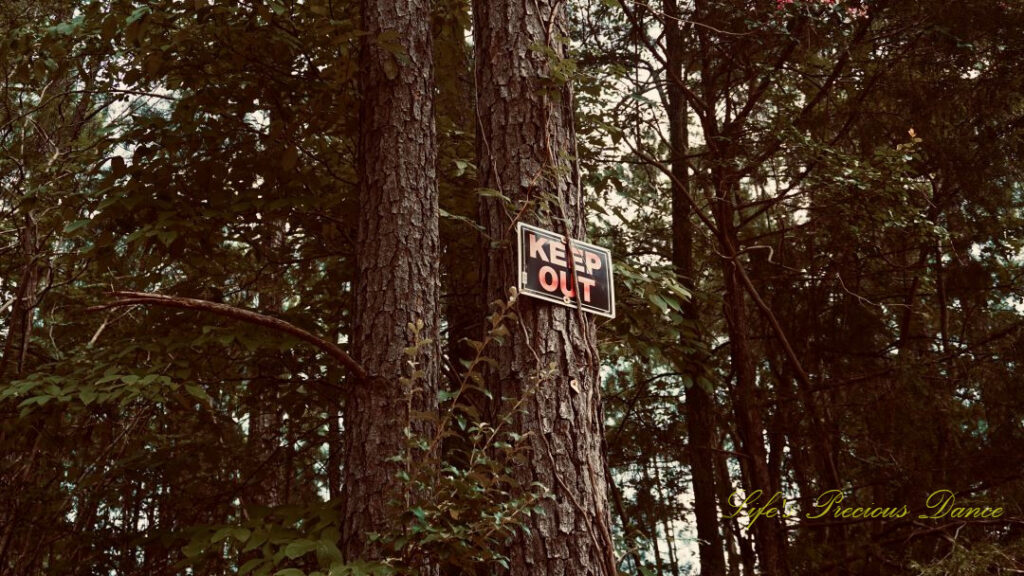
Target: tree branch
x,y
241,314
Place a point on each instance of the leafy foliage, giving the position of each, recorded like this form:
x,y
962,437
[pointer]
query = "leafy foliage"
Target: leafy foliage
x,y
862,158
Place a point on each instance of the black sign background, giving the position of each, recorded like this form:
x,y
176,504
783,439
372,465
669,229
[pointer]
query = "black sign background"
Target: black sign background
x,y
545,271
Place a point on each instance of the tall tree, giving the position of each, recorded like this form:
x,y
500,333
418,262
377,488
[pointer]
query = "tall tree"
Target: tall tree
x,y
526,152
877,230
700,406
397,305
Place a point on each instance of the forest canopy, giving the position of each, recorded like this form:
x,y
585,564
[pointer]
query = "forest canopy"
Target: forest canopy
x,y
258,315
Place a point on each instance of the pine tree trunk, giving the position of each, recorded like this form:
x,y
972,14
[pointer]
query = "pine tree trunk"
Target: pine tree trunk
x,y
397,256
769,536
526,151
700,406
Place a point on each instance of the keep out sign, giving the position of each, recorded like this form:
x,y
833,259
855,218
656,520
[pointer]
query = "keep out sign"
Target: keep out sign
x,y
568,273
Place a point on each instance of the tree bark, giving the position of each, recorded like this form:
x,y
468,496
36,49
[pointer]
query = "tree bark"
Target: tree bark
x,y
769,536
397,258
19,330
526,151
740,551
699,402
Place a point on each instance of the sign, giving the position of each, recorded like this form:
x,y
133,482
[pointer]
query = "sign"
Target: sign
x,y
563,271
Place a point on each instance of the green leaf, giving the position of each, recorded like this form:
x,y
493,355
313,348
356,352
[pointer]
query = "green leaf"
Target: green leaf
x,y
327,552
88,395
299,548
492,193
658,301
194,548
35,400
254,542
137,14
197,392
248,566
76,225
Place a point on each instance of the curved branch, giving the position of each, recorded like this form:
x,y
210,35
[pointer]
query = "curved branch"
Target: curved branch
x,y
241,314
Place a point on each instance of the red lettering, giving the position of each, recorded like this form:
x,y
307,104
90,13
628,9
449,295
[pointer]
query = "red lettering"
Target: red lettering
x,y
586,283
537,247
547,278
566,291
557,253
577,257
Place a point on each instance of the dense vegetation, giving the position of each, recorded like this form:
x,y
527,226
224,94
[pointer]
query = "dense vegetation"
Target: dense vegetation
x,y
815,209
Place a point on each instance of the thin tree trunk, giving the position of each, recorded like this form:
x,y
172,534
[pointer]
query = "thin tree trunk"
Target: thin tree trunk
x,y
732,529
767,534
666,521
659,564
526,150
721,157
335,438
699,403
747,405
19,329
265,413
629,526
397,258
